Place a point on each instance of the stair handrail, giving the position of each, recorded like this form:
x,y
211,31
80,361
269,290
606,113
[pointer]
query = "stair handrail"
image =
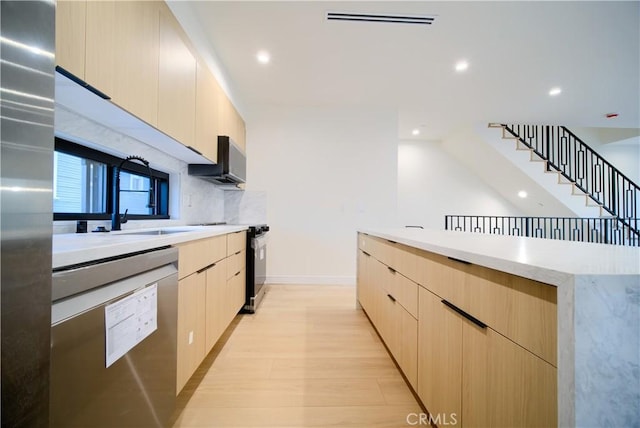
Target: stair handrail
x,y
612,204
563,228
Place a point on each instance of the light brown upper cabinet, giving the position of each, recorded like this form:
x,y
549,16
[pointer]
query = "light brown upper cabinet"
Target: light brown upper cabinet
x,y
177,81
207,121
231,123
137,51
122,63
71,18
100,53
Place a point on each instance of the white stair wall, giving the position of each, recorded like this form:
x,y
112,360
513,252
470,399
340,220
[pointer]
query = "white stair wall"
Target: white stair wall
x,y
535,168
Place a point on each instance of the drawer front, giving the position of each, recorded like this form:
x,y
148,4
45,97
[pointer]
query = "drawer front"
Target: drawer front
x,y
236,292
408,355
362,241
236,242
521,309
236,263
196,255
445,278
407,294
218,247
390,273
379,248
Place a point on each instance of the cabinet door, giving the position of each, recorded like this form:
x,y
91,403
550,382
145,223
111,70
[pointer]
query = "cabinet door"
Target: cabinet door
x,y
504,385
176,82
439,357
135,69
207,128
364,286
236,242
191,326
408,350
389,325
242,134
215,308
225,119
70,35
100,45
237,292
195,255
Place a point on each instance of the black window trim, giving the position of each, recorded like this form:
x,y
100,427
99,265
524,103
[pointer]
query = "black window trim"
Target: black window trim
x,y
71,148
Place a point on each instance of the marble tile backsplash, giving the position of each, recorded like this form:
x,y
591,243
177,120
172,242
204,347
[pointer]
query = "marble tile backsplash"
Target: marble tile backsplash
x,y
192,200
248,207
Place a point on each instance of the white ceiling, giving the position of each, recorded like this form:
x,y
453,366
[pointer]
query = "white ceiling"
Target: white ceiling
x,y
517,51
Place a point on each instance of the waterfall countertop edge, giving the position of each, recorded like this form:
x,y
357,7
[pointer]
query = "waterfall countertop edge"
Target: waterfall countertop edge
x,y
550,261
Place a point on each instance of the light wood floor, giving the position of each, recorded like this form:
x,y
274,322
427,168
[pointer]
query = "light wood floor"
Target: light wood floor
x,y
308,358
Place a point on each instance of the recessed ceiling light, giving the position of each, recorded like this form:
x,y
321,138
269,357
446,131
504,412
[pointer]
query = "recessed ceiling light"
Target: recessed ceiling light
x,y
522,194
461,66
555,91
263,57
415,132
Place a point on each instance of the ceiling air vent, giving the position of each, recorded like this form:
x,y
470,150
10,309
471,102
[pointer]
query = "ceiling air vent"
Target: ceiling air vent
x,y
371,17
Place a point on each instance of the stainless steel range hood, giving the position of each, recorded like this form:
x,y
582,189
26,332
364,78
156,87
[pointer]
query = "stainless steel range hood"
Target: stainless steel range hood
x,y
230,169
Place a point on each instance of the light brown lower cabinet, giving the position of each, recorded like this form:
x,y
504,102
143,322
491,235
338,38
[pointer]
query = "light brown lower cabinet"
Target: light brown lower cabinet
x,y
440,357
477,345
211,291
477,377
503,384
380,297
191,341
216,298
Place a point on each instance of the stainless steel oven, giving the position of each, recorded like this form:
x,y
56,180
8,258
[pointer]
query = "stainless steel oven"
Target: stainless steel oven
x,y
256,266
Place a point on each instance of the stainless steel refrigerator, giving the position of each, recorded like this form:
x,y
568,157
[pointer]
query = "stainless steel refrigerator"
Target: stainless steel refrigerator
x,y
27,32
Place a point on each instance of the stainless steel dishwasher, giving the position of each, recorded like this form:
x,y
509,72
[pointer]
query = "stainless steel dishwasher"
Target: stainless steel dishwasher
x,y
113,342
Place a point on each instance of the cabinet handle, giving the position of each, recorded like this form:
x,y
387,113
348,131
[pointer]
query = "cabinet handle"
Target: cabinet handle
x,y
82,83
471,318
237,273
464,262
194,150
237,253
392,270
393,242
393,299
206,267
366,254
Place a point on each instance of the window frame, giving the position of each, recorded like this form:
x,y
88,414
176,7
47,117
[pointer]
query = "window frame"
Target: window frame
x,y
160,183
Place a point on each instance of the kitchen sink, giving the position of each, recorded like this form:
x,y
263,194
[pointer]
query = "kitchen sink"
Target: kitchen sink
x,y
157,232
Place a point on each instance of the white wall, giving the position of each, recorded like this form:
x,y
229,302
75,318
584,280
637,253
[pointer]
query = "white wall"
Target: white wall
x,y
432,183
325,174
619,146
625,156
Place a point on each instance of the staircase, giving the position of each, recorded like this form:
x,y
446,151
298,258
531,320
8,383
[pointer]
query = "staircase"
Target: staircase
x,y
589,175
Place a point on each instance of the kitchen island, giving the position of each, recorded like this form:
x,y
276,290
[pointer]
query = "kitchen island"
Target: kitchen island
x,y
587,294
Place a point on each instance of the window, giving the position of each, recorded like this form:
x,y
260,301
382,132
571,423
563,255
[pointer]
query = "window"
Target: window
x,y
83,183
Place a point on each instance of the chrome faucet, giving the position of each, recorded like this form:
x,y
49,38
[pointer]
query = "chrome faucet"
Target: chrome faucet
x,y
116,218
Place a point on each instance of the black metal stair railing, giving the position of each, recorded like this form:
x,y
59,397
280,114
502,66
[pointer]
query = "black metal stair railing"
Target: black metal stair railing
x,y
600,230
586,169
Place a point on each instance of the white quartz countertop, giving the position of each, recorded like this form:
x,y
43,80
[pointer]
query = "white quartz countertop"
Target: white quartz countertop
x,y
73,248
545,260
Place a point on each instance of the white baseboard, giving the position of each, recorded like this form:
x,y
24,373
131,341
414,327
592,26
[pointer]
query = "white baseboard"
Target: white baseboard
x,y
311,280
